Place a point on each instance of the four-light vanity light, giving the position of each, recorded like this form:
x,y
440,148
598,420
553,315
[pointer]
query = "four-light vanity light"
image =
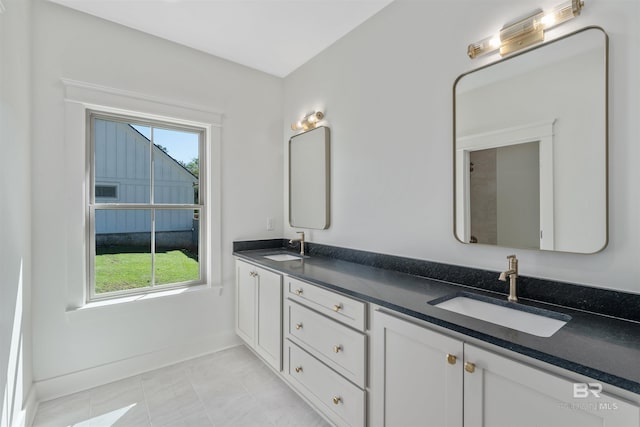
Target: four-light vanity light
x,y
308,122
526,31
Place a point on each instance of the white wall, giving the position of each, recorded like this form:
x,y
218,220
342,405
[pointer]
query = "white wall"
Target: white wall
x,y
386,89
77,348
15,212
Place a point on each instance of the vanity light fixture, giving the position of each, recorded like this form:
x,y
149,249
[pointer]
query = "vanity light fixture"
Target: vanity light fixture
x,y
525,31
308,122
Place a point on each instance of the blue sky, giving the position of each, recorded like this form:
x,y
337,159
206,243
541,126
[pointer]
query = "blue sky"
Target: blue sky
x,y
180,145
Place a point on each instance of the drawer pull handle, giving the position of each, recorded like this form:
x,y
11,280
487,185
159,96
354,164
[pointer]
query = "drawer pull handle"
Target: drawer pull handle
x,y
298,326
337,307
470,367
298,291
337,400
337,348
298,369
451,359
253,274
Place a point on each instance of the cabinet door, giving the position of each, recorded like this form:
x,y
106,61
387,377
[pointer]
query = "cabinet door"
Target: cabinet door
x,y
245,301
414,382
269,317
501,392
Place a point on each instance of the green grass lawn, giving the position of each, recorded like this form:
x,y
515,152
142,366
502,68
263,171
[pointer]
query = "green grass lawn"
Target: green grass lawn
x,y
130,270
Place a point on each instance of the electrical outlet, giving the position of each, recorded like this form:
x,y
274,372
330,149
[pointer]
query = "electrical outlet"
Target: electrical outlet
x,y
269,224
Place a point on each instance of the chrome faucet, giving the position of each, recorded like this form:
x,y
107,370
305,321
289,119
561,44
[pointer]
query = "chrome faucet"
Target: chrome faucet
x,y
512,274
301,240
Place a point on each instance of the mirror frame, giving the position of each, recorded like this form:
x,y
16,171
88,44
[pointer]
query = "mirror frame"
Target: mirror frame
x,y
606,136
326,181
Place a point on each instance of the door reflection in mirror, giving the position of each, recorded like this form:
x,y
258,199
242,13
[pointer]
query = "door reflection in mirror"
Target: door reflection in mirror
x,y
505,195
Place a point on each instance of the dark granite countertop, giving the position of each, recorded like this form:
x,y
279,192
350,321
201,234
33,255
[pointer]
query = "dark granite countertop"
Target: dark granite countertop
x,y
602,347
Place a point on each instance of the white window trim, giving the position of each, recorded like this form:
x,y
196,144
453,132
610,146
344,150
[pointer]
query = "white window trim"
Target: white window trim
x,y
82,96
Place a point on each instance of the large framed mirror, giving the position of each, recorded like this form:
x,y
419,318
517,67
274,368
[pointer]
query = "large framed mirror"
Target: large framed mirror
x,y
309,179
530,148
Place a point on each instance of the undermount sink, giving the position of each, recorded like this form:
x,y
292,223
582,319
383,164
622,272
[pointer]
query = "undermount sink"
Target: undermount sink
x,y
282,257
534,321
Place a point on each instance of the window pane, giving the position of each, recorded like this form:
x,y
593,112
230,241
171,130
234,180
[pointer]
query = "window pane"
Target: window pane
x,y
122,159
176,160
123,249
177,246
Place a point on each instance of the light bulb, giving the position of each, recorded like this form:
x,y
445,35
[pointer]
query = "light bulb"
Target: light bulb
x,y
484,46
562,13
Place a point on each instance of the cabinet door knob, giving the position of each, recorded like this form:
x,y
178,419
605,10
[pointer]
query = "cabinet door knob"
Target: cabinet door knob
x,y
337,400
451,359
337,307
298,326
298,291
298,369
337,348
470,367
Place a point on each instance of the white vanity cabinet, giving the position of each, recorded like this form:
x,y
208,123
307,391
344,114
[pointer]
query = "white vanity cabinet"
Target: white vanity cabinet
x,y
424,378
416,375
259,311
499,391
325,350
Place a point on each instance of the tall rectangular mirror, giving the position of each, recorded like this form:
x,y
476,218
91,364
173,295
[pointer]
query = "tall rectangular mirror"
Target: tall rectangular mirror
x,y
530,148
309,179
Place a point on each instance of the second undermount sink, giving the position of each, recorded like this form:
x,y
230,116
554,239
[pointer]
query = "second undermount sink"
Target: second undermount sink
x,y
283,257
534,321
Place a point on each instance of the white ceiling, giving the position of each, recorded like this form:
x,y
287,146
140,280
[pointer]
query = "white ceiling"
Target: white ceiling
x,y
274,36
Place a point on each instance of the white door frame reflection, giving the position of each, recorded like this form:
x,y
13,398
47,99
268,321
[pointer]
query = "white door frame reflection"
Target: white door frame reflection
x,y
541,132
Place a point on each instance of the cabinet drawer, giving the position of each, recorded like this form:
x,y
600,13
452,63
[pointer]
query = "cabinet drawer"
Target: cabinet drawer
x,y
340,347
336,397
337,306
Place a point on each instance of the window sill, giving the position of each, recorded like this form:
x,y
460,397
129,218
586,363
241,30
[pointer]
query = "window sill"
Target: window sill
x,y
144,297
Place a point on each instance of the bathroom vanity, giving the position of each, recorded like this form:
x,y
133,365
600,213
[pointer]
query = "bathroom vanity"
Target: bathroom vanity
x,y
377,340
364,346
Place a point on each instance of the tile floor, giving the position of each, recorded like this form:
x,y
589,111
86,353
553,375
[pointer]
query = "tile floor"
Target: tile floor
x,y
229,388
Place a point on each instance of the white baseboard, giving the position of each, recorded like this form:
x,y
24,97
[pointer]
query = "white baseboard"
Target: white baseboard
x,y
92,377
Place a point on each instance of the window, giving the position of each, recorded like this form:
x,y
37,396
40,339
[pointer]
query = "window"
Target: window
x,y
146,209
107,191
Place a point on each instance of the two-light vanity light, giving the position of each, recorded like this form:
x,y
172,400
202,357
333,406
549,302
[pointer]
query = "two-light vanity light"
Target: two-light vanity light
x,y
526,31
308,122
